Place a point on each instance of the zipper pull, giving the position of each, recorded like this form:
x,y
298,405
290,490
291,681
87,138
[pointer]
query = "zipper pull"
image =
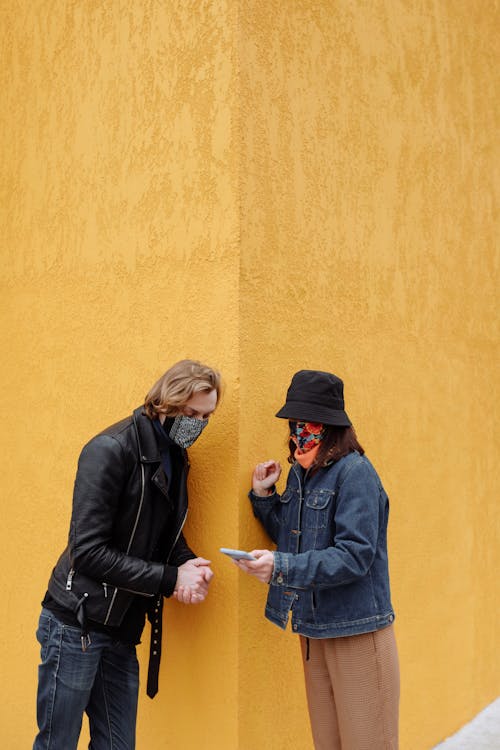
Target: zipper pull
x,y
105,587
69,581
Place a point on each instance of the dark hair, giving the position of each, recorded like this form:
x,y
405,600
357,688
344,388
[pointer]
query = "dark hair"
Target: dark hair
x,y
337,443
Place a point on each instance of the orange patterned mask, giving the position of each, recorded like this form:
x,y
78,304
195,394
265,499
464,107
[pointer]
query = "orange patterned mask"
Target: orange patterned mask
x,y
307,435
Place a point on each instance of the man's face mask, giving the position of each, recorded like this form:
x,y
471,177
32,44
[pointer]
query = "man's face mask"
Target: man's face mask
x,y
185,430
306,435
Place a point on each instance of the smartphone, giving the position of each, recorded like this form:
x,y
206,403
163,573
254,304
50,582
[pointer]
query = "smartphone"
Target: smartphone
x,y
237,554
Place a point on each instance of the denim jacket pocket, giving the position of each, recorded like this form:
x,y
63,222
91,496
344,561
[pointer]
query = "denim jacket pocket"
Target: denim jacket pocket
x,y
319,499
318,508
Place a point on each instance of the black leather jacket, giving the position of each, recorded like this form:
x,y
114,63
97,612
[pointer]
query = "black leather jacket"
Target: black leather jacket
x,y
120,505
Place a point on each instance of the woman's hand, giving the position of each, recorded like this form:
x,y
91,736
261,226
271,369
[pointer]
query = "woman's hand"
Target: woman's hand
x,y
264,476
262,568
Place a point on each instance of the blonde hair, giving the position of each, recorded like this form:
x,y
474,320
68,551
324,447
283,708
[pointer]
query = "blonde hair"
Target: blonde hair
x,y
178,384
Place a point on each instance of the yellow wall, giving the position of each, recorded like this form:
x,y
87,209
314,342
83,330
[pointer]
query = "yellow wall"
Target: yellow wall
x,y
120,249
266,186
368,249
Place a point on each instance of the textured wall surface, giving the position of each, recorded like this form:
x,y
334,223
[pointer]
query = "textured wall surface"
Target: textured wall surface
x,y
265,186
120,256
368,249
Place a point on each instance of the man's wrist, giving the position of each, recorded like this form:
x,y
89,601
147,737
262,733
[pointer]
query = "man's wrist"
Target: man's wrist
x,y
169,580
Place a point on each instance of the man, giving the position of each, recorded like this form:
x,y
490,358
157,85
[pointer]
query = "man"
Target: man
x,y
125,552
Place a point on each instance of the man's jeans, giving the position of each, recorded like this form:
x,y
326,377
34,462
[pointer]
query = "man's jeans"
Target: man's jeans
x,y
103,681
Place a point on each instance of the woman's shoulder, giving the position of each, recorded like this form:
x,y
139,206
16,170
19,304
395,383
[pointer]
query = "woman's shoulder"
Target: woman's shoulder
x,y
356,465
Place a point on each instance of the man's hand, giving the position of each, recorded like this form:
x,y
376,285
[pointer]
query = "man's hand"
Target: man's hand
x,y
264,476
193,578
262,568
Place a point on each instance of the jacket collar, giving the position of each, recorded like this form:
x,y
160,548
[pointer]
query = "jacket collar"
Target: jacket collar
x,y
148,444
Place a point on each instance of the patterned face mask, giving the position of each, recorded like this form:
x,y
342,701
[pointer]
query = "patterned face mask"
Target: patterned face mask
x,y
307,435
185,430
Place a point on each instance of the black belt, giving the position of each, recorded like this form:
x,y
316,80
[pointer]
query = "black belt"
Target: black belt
x,y
155,618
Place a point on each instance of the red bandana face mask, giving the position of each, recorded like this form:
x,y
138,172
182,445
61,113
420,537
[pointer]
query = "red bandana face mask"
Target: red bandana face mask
x,y
307,435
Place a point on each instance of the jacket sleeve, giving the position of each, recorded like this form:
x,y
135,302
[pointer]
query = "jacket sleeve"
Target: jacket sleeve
x,y
181,553
355,541
100,479
266,509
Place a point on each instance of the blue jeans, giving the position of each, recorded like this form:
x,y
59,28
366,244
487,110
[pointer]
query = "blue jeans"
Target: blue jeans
x,y
103,681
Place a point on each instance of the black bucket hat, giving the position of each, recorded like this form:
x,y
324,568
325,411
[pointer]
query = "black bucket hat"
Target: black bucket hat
x,y
315,396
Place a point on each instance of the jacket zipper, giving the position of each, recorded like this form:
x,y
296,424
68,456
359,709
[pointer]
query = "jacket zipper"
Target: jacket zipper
x,y
141,593
115,592
143,486
178,535
132,591
186,466
69,580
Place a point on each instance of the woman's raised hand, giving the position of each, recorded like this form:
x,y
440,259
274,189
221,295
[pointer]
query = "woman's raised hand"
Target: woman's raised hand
x,y
264,476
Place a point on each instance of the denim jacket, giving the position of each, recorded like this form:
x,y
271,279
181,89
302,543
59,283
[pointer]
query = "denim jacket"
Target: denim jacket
x,y
330,567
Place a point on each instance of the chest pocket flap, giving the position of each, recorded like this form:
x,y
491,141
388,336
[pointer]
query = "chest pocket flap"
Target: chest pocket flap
x,y
319,499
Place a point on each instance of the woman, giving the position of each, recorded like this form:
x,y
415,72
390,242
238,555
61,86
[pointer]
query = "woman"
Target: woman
x,y
330,570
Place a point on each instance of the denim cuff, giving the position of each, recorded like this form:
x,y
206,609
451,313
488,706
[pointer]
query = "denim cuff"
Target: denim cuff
x,y
262,499
280,572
